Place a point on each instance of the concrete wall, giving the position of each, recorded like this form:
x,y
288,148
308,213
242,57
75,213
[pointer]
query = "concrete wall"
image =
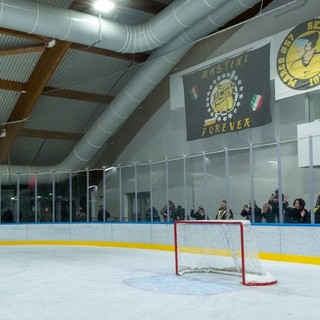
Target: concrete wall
x,y
279,242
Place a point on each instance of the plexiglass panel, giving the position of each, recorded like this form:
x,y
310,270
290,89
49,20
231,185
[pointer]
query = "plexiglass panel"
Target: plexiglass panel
x,y
295,179
195,181
129,196
216,181
143,190
112,194
265,173
239,181
160,195
314,105
176,185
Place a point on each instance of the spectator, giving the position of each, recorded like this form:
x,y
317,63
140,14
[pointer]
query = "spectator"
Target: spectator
x,y
267,214
155,214
274,203
297,213
180,213
100,214
317,212
246,213
168,216
223,213
200,214
248,210
257,212
7,216
46,216
81,215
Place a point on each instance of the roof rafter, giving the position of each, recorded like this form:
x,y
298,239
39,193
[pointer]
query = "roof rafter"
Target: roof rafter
x,y
44,134
47,64
76,95
57,92
23,49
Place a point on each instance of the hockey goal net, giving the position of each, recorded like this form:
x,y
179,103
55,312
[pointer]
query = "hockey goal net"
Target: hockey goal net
x,y
226,246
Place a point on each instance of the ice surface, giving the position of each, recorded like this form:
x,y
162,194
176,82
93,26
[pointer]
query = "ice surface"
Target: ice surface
x,y
97,283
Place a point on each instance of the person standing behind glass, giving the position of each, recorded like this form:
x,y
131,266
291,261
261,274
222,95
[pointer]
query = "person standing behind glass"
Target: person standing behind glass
x,y
274,203
297,213
168,213
200,214
46,216
223,213
246,213
100,214
81,215
267,214
155,214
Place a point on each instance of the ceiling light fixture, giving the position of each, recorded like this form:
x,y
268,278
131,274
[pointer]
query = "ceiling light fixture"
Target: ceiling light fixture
x,y
104,5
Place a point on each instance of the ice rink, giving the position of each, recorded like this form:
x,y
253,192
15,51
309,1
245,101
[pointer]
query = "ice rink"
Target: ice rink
x,y
100,283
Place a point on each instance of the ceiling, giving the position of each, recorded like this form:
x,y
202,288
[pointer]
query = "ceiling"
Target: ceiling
x,y
51,93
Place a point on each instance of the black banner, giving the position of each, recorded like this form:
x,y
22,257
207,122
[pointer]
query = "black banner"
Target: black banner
x,y
228,96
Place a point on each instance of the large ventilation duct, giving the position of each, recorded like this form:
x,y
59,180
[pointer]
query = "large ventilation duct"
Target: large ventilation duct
x,y
58,23
142,83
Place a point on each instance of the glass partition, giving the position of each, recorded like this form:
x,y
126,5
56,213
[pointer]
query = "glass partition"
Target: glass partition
x,y
112,194
129,201
143,191
160,194
240,181
195,196
176,186
9,210
216,181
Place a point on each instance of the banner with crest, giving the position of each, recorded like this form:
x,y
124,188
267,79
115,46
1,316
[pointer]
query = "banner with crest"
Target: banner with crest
x,y
228,96
298,59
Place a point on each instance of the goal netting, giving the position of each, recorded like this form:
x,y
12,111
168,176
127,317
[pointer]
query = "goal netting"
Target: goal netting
x,y
226,246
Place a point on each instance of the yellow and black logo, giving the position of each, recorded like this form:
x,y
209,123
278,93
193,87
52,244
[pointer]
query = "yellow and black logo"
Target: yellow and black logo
x,y
298,60
223,97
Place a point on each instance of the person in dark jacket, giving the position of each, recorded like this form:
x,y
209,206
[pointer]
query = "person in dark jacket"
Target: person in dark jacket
x,y
155,215
7,216
267,214
257,212
317,212
200,214
172,212
100,214
297,213
247,212
275,205
180,214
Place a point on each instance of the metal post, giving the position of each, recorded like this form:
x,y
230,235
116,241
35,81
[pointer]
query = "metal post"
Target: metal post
x,y
36,197
0,199
88,194
70,196
311,178
53,196
104,194
151,194
120,193
185,183
280,181
252,183
18,197
167,189
136,191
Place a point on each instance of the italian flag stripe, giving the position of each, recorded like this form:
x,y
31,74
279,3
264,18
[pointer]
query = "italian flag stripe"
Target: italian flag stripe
x,y
256,102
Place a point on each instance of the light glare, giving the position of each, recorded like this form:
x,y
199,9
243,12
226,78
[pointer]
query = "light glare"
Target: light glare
x,y
104,5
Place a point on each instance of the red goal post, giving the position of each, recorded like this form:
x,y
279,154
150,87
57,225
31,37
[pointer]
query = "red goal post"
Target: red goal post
x,y
223,246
